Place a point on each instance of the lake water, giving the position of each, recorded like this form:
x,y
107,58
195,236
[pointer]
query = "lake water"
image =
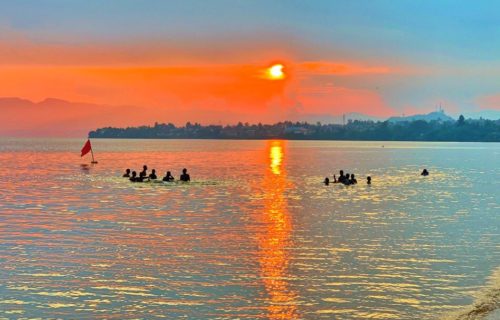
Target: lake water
x,y
255,235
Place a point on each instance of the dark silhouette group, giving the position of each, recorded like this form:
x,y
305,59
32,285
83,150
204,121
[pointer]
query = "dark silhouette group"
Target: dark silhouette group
x,y
143,175
350,179
345,179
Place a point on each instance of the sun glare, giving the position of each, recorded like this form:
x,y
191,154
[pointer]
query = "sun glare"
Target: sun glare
x,y
275,72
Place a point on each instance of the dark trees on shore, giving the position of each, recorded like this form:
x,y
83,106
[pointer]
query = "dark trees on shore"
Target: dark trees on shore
x,y
420,130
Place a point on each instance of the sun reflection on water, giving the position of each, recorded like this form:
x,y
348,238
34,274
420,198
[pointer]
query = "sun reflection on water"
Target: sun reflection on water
x,y
276,156
275,239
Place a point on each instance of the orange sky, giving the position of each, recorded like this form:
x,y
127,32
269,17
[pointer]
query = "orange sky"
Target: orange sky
x,y
194,61
178,82
169,85
235,89
155,85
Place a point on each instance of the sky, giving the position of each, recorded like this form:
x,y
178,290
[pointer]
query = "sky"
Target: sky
x,y
208,60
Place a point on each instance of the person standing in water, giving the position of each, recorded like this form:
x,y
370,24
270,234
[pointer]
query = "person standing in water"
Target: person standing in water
x,y
341,178
126,174
424,172
346,180
133,178
327,181
168,177
142,177
353,179
368,180
144,171
153,176
185,176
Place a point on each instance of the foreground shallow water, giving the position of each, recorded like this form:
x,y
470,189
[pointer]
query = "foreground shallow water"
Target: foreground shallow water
x,y
255,235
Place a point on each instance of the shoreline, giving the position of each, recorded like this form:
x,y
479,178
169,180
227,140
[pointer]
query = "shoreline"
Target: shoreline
x,y
486,305
288,139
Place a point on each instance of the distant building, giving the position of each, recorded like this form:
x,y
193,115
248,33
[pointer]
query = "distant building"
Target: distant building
x,y
297,130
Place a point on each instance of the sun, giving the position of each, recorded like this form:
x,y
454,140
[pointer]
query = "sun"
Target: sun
x,y
275,72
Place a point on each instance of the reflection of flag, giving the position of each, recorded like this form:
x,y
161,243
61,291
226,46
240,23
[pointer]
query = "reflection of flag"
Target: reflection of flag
x,y
86,148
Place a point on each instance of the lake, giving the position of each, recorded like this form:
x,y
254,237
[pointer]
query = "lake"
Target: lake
x,y
255,235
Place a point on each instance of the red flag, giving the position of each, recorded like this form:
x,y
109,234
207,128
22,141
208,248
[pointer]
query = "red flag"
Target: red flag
x,y
86,148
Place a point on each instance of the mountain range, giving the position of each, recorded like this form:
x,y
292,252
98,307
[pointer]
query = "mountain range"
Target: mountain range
x,y
432,116
60,118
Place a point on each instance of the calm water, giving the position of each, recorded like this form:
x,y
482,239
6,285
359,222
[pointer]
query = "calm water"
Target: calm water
x,y
254,236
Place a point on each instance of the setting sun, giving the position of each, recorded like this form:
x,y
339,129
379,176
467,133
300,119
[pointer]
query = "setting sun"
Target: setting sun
x,y
275,72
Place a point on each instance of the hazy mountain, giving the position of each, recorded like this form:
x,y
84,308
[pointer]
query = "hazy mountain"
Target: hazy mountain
x,y
334,119
433,116
60,118
485,114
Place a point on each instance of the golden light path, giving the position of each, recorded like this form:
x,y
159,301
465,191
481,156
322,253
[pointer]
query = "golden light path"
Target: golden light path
x,y
276,157
275,238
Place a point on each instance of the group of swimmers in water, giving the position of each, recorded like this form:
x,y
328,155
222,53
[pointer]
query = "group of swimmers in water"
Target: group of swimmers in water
x,y
143,175
345,179
349,179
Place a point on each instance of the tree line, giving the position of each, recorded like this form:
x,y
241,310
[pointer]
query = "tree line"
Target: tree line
x,y
471,130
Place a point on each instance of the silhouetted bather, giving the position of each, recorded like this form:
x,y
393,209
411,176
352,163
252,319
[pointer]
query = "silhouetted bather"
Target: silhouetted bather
x,y
425,173
347,180
127,173
153,176
142,177
368,180
133,178
341,178
185,176
327,181
168,177
353,179
144,171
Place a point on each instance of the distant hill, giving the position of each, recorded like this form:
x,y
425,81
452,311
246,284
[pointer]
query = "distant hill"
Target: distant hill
x,y
59,118
485,114
335,119
433,116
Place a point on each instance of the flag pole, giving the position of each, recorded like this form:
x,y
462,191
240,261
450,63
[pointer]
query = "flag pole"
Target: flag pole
x,y
92,153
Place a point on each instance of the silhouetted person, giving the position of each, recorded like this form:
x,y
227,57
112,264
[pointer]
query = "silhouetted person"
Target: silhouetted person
x,y
327,181
133,178
185,176
144,170
153,176
142,177
168,177
346,180
424,172
341,178
368,180
127,173
335,179
353,179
